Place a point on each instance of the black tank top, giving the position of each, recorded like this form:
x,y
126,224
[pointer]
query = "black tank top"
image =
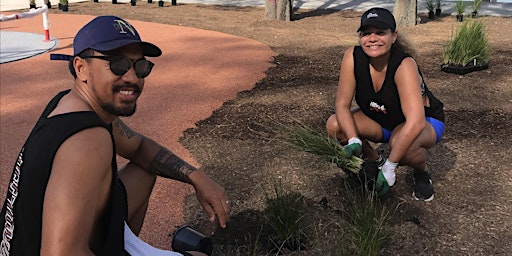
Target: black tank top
x,y
21,215
384,106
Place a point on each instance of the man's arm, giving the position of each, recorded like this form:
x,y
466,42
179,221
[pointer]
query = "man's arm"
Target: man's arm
x,y
150,155
160,161
77,193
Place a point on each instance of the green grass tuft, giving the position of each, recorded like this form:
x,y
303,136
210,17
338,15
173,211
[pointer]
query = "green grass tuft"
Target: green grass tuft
x,y
468,46
285,212
322,145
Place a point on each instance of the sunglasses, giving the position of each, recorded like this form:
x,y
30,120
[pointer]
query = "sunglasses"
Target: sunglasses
x,y
119,65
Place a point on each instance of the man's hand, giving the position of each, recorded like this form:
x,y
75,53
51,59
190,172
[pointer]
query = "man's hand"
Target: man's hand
x,y
211,196
353,148
386,177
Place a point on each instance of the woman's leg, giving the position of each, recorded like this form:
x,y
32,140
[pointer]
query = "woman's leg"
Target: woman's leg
x,y
416,155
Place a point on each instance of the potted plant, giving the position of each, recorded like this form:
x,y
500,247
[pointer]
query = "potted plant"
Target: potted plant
x,y
32,4
475,7
468,50
439,4
460,8
63,5
160,3
49,4
430,7
133,2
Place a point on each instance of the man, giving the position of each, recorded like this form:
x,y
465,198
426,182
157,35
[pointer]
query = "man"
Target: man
x,y
66,195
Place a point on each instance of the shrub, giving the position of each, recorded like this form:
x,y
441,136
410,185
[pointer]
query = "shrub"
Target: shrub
x,y
286,218
460,7
469,45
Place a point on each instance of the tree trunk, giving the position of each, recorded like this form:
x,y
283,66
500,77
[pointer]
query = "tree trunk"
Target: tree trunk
x,y
406,13
278,10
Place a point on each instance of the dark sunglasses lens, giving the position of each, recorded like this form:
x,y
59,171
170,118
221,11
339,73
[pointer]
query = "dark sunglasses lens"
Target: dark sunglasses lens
x,y
120,65
143,68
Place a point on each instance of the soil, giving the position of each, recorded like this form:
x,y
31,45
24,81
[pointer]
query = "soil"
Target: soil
x,y
471,213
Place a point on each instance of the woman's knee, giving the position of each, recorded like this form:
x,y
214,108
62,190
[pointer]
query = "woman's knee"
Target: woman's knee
x,y
332,127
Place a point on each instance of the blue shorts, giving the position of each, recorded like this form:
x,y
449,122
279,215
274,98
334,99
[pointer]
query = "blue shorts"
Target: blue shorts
x,y
438,127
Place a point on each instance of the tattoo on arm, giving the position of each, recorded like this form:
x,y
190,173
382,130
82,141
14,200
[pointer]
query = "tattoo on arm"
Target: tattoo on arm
x,y
168,165
124,130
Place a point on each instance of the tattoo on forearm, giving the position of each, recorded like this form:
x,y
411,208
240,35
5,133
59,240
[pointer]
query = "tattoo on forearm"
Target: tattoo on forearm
x,y
168,165
123,128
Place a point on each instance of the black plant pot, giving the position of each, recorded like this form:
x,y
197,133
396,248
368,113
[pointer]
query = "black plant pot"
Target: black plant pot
x,y
431,15
32,6
160,3
49,4
474,14
460,17
114,1
150,1
438,12
64,8
133,2
463,70
96,1
173,2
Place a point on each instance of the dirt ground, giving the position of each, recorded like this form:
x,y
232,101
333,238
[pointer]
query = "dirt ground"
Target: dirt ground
x,y
471,213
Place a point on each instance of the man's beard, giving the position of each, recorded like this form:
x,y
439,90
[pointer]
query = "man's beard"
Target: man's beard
x,y
119,111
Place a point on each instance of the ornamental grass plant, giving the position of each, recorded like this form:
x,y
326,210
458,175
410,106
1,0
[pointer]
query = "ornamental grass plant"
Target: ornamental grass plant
x,y
469,45
285,214
320,144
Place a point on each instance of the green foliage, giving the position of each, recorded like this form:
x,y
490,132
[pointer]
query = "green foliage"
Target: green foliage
x,y
476,5
63,2
285,217
460,7
469,45
322,145
365,234
32,2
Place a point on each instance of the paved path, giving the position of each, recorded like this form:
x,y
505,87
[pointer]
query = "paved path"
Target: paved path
x,y
492,8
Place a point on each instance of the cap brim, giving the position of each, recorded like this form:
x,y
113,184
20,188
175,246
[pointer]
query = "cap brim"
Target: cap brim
x,y
374,23
148,49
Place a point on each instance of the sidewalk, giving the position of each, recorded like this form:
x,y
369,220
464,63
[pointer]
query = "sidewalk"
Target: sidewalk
x,y
493,8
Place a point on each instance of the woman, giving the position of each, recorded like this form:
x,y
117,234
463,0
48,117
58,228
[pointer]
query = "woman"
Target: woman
x,y
394,104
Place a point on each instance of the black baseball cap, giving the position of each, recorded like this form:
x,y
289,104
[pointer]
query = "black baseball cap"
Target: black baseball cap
x,y
378,17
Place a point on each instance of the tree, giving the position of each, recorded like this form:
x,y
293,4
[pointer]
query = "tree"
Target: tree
x,y
278,10
406,13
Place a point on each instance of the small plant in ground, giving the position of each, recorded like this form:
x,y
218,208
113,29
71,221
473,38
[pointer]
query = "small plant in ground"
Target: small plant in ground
x,y
476,6
254,248
322,145
285,212
460,7
469,45
430,7
429,4
439,5
367,217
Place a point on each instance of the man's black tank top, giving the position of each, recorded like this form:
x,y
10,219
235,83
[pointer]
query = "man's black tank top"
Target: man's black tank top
x,y
384,106
21,215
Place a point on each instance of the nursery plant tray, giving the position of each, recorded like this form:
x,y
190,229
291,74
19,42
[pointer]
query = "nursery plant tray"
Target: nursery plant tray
x,y
463,70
